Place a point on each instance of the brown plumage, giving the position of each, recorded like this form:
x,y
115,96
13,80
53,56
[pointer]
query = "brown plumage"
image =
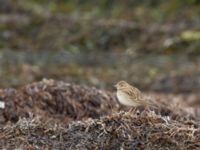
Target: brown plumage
x,y
129,95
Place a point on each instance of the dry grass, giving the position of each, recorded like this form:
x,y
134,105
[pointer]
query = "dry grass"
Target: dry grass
x,y
123,130
58,115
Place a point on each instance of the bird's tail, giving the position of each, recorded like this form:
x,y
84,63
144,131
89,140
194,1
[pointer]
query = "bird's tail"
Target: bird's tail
x,y
149,103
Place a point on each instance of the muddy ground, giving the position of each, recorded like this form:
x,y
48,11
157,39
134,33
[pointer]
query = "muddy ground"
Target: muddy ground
x,y
58,115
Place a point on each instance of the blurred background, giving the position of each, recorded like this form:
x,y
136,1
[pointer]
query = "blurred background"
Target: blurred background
x,y
153,44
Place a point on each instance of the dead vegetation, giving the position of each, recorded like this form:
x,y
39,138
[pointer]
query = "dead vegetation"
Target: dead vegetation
x,y
57,100
57,115
118,131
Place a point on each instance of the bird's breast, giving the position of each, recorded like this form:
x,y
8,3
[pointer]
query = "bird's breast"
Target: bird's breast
x,y
126,100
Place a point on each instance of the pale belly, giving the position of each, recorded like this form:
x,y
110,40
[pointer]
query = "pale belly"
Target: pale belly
x,y
125,100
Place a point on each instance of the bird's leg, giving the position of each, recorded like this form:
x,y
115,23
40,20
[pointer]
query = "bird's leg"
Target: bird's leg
x,y
148,109
133,109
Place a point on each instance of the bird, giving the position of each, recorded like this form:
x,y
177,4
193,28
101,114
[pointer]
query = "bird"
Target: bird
x,y
130,96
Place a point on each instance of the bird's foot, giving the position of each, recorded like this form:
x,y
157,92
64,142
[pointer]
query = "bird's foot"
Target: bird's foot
x,y
134,110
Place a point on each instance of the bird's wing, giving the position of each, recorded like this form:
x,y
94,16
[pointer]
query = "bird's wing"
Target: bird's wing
x,y
137,93
131,93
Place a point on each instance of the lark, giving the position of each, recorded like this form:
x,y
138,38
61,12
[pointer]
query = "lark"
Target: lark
x,y
130,96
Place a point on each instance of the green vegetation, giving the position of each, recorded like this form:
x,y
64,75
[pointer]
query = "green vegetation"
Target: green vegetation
x,y
114,30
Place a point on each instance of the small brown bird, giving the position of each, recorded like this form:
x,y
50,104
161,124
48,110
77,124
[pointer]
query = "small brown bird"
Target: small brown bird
x,y
129,95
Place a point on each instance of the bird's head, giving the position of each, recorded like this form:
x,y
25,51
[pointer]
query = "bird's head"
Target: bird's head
x,y
121,84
